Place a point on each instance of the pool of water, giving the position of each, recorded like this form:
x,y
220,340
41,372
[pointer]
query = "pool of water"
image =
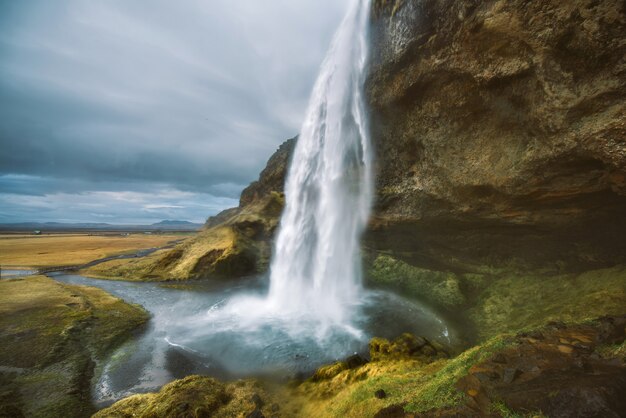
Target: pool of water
x,y
226,330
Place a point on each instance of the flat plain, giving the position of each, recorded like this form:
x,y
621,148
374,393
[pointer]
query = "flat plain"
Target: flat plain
x,y
74,249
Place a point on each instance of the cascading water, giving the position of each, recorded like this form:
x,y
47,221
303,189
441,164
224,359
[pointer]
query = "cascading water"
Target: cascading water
x,y
316,266
315,310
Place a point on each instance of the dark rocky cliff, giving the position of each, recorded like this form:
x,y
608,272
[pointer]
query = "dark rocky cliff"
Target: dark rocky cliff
x,y
500,133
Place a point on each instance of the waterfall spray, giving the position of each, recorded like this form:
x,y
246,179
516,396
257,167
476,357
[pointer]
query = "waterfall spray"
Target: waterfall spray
x,y
316,310
316,269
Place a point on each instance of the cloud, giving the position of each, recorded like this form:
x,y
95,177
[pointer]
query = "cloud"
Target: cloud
x,y
136,96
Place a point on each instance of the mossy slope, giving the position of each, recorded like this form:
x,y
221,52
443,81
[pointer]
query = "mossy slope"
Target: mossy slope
x,y
490,301
52,336
197,396
236,246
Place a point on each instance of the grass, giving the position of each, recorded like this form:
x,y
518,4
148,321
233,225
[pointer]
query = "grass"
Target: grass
x,y
505,412
501,301
419,386
441,289
69,250
517,302
130,269
52,334
196,396
204,253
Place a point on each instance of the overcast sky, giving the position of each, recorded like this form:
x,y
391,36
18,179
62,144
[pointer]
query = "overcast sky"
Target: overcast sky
x,y
136,111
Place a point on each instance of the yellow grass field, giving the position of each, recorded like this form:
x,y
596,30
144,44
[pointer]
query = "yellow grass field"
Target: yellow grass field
x,y
72,249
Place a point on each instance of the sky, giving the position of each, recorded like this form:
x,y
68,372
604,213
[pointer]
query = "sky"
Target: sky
x,y
137,111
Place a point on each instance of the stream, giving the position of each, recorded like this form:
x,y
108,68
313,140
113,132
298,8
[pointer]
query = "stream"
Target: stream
x,y
220,329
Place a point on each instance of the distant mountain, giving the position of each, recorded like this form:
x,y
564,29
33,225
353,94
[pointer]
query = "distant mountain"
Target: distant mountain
x,y
175,223
166,225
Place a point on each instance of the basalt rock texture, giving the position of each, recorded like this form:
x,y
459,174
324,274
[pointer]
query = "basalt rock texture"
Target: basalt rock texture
x,y
500,132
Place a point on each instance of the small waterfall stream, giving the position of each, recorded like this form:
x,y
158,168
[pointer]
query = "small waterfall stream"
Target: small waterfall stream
x,y
316,269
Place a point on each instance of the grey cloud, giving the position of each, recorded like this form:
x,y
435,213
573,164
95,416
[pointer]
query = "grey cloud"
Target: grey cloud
x,y
193,94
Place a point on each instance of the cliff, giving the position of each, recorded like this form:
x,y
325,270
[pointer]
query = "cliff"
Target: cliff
x,y
499,132
500,200
234,243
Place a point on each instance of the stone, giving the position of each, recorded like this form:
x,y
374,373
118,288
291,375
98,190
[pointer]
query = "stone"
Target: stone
x,y
473,157
257,401
257,413
355,361
392,411
510,374
380,394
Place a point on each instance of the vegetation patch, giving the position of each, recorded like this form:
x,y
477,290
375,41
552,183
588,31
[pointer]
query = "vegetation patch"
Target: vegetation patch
x,y
516,302
441,289
74,249
53,335
197,396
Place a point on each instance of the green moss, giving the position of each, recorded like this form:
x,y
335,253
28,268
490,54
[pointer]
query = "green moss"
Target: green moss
x,y
518,302
194,396
65,330
504,411
438,391
613,350
419,385
441,289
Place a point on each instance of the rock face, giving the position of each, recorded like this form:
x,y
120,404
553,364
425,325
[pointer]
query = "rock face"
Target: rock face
x,y
563,371
234,243
272,178
500,132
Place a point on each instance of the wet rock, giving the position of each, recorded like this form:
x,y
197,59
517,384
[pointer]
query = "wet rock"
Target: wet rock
x,y
472,392
554,377
256,400
392,411
499,358
355,361
510,374
407,345
257,413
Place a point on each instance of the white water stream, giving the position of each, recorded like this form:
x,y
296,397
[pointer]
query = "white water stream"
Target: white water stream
x,y
315,310
316,269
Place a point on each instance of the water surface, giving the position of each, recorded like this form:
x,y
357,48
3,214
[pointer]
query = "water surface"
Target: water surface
x,y
224,330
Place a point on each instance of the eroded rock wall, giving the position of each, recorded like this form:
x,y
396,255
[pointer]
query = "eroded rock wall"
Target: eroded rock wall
x,y
500,132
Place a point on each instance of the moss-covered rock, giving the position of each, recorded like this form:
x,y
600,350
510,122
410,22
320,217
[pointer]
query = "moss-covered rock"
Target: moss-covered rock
x,y
506,376
500,300
52,337
441,289
517,301
405,346
196,397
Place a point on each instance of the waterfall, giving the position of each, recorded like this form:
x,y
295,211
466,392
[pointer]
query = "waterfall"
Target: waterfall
x,y
316,310
316,268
